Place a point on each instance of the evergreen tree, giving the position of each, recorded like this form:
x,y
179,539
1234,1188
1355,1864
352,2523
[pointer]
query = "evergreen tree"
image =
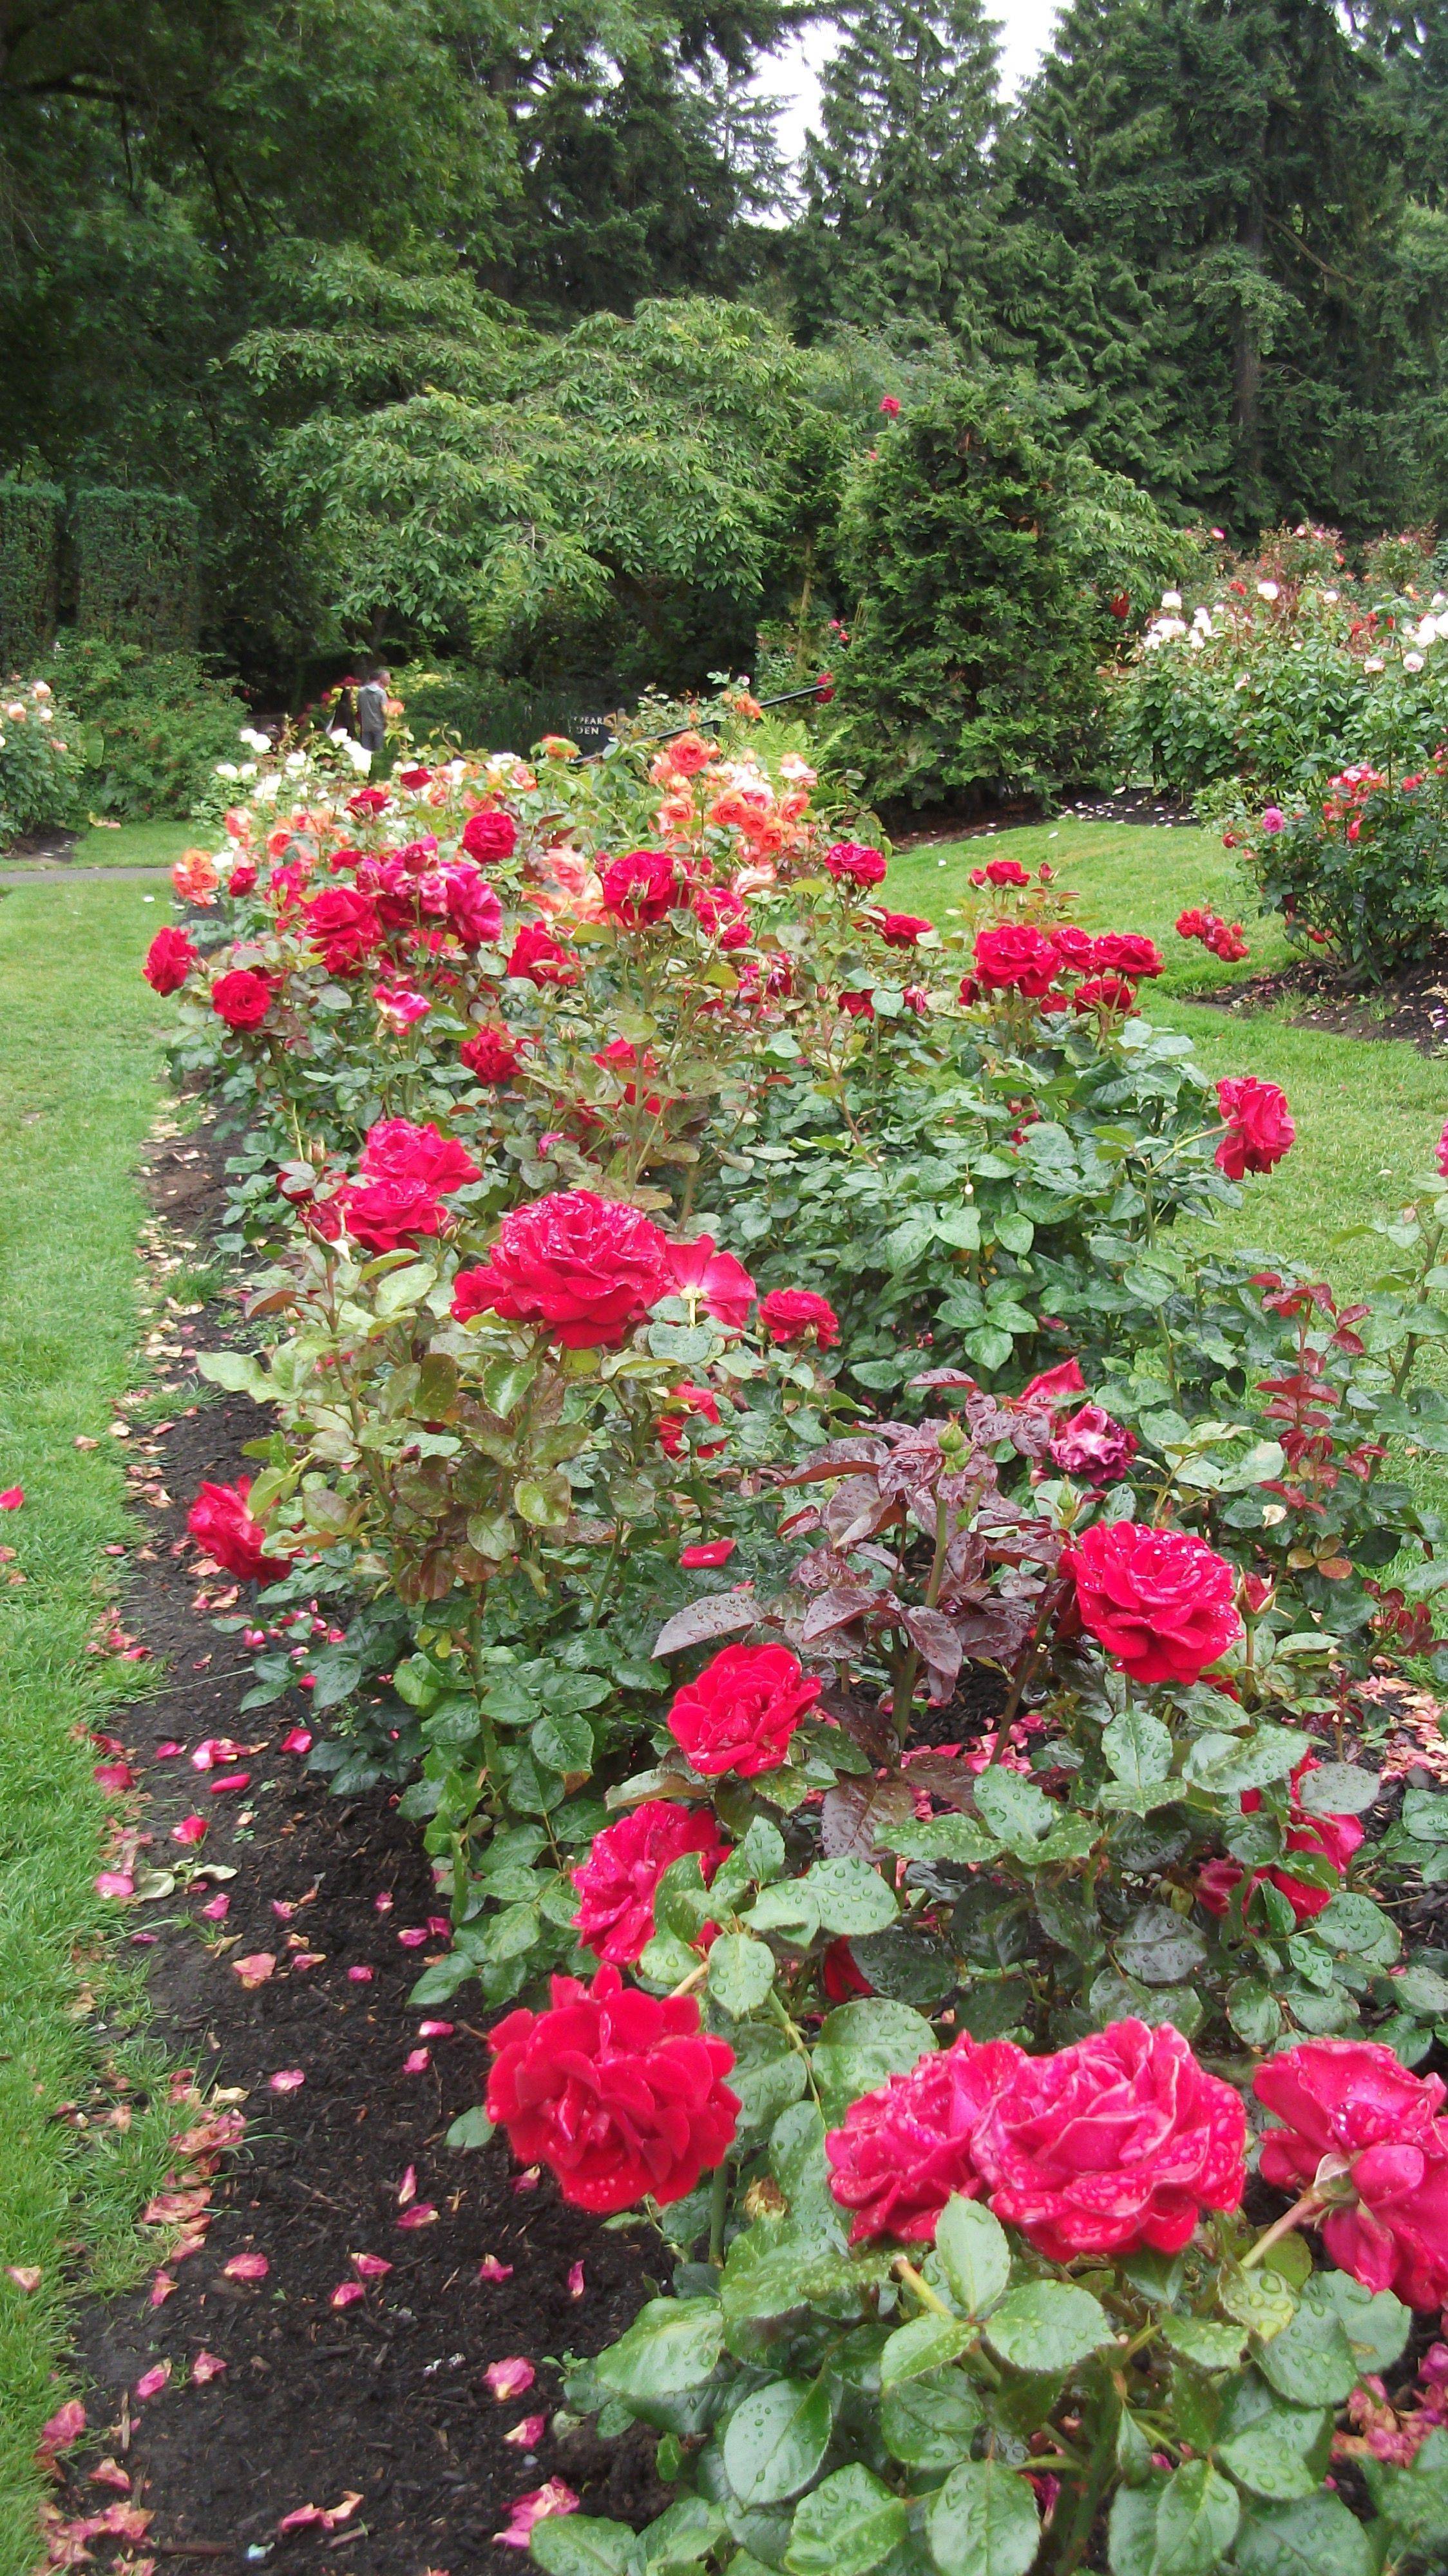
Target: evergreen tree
x,y
897,180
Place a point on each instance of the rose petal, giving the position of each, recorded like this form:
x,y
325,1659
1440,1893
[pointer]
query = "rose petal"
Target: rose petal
x,y
509,2378
407,2188
168,1751
246,2267
527,2435
361,1976
229,1780
490,2269
218,1909
434,2030
162,2285
416,2060
421,2214
384,1902
192,1829
26,2276
255,1969
297,1739
65,2426
12,1498
370,2267
576,2282
413,1936
207,2366
109,2473
115,1882
288,2079
347,2293
152,2381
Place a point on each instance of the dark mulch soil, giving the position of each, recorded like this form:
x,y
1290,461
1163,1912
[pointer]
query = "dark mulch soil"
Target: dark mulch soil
x,y
44,847
1412,1004
385,2397
914,828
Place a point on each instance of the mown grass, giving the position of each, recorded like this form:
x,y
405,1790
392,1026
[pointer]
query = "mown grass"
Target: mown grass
x,y
137,845
78,1087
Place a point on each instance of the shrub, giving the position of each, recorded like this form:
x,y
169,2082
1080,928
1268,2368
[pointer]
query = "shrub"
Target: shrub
x,y
970,669
29,531
40,773
943,1819
137,559
1270,674
1365,870
153,725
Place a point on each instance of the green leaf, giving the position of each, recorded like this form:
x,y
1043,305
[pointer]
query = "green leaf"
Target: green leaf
x,y
741,1973
861,2045
1376,2324
1253,2011
983,2522
1310,2362
1227,1764
1160,1947
1131,2532
1268,2464
1258,2300
683,2533
926,2344
973,2253
767,2075
1337,1789
672,2345
1196,2521
581,2544
563,1744
790,1908
1199,2339
1048,2326
1318,2537
1014,1809
1138,1748
470,2129
849,2523
850,1895
950,1838
774,2442
928,2423
763,1849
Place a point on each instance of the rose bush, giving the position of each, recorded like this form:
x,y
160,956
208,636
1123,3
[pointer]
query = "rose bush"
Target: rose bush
x,y
848,1602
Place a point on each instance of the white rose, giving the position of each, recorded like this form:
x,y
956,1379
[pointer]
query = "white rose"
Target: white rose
x,y
1372,663
45,715
1171,599
41,689
1331,598
1412,661
1267,590
227,769
296,762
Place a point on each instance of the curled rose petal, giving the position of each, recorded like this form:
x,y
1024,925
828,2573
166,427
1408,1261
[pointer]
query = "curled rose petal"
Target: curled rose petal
x,y
191,1830
255,1969
298,1739
347,2294
162,2285
407,2188
413,1935
229,1780
384,1902
416,2060
555,2497
115,1882
527,2435
288,2079
152,2381
65,2426
207,2366
168,1751
26,2276
576,2283
421,2214
369,2267
509,2378
109,2473
113,1777
246,2267
490,2269
360,1976
218,1909
434,2030
323,2517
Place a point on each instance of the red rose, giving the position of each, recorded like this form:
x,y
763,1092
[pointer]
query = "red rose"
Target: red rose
x,y
1123,952
1353,2100
742,1710
241,998
1092,1445
1006,872
624,1866
841,1976
416,778
538,956
474,914
169,961
1259,1126
343,927
904,2150
671,1425
1159,1601
719,911
221,1524
898,929
640,889
619,2095
584,1267
697,1270
382,1211
491,1055
858,1006
242,879
1014,957
1053,1388
890,406
367,802
688,753
855,863
397,1151
621,1057
787,1314
1119,2141
1073,947
1335,1838
1104,993
490,835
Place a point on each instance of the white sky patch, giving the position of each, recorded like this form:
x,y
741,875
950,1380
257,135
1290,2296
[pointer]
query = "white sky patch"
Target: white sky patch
x,y
793,74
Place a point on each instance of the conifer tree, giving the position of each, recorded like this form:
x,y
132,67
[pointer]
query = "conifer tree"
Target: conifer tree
x,y
897,179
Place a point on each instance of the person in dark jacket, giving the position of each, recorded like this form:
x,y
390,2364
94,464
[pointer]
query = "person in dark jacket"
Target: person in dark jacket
x,y
372,711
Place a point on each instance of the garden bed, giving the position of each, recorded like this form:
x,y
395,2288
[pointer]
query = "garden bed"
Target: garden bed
x,y
1412,1004
385,2398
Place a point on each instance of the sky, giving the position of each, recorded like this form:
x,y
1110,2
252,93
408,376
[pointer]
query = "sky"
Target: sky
x,y
793,74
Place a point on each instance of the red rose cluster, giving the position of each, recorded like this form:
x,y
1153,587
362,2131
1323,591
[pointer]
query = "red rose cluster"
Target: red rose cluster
x,y
403,1174
221,1524
169,961
625,1864
1369,2136
1014,956
1117,2142
1332,1838
1224,940
584,1267
621,2096
1160,1601
854,863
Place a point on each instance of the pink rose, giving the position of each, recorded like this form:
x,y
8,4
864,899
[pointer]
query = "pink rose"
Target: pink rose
x,y
1093,1445
1351,2101
904,2150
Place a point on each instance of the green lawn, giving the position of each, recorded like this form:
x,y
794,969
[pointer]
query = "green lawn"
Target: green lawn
x,y
79,1061
136,845
1368,1112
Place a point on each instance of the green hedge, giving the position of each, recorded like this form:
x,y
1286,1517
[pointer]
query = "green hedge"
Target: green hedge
x,y
137,556
29,528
